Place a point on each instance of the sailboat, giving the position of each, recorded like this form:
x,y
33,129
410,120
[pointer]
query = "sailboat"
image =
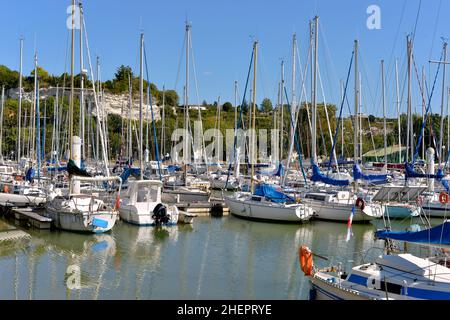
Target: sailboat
x,y
265,202
337,205
182,187
392,276
93,209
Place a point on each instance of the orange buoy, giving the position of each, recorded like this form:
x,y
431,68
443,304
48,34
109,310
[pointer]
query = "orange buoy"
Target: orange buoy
x,y
444,198
306,260
361,204
6,189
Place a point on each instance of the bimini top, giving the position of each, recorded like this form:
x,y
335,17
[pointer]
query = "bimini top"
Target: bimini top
x,y
271,194
438,236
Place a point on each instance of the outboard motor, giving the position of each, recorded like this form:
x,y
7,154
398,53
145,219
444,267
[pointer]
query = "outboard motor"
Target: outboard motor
x,y
160,215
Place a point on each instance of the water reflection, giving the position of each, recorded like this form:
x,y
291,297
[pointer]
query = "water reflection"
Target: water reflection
x,y
226,258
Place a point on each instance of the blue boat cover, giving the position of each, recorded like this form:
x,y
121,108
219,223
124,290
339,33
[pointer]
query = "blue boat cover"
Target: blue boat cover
x,y
445,184
358,175
271,194
30,175
127,172
410,173
439,235
51,169
320,177
173,168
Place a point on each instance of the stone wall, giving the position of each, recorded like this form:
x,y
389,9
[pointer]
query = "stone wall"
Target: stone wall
x,y
112,103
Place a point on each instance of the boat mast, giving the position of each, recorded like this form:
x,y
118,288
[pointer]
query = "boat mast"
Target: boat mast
x,y
186,103
441,137
72,83
163,129
384,115
253,129
1,123
82,107
356,123
293,99
141,100
409,140
397,89
19,113
314,93
130,134
282,112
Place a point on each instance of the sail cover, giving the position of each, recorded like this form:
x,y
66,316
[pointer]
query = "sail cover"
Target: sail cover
x,y
410,173
359,175
320,177
439,236
271,194
73,169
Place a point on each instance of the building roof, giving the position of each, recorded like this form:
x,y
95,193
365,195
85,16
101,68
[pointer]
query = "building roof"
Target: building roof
x,y
380,152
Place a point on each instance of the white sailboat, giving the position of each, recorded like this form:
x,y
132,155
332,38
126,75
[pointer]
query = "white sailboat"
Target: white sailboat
x,y
92,209
265,203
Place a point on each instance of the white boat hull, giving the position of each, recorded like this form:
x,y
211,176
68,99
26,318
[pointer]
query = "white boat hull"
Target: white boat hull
x,y
341,212
274,212
18,200
143,216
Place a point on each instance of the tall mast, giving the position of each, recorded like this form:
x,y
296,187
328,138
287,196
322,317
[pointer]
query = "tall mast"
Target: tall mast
x,y
19,113
186,104
72,82
441,137
235,107
356,123
163,141
82,107
141,101
424,107
410,137
1,123
282,111
397,89
314,93
130,129
384,114
293,99
253,130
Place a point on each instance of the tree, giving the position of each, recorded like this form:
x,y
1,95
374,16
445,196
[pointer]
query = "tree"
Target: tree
x,y
227,106
266,105
171,98
8,78
123,72
244,107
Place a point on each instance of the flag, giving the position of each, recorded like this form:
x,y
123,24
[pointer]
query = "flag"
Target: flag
x,y
349,225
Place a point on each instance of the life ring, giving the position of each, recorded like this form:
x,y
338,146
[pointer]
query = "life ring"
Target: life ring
x,y
361,204
444,198
306,260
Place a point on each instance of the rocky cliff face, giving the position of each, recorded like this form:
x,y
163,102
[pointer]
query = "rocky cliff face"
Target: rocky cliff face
x,y
112,104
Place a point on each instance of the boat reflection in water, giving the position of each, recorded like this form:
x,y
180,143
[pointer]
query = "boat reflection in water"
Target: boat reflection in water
x,y
226,258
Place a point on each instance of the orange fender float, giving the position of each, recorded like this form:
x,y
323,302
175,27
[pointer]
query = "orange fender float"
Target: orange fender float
x,y
306,260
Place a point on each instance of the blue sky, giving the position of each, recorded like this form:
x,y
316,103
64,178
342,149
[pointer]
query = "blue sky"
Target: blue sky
x,y
222,34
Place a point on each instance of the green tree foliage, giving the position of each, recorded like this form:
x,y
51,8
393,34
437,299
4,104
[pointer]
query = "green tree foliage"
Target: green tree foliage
x,y
266,105
227,106
8,78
